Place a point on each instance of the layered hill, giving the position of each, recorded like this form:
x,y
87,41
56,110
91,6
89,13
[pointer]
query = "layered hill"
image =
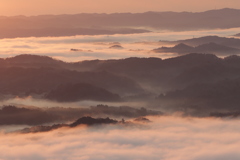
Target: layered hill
x,y
95,24
81,91
229,42
211,47
190,83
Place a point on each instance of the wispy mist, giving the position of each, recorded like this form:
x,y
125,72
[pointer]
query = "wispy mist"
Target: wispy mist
x,y
42,103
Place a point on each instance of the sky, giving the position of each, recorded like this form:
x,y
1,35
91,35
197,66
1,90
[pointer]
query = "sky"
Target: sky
x,y
39,7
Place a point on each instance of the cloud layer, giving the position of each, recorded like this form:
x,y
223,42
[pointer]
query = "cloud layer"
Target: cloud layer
x,y
166,138
98,47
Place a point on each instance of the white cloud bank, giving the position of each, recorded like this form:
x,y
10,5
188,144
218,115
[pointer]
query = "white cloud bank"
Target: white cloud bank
x,y
166,138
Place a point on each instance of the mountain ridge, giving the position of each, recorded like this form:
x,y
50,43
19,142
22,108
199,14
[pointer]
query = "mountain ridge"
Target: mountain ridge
x,y
97,24
133,79
230,42
210,47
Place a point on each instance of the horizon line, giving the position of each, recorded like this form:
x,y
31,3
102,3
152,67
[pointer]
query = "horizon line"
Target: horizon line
x,y
21,15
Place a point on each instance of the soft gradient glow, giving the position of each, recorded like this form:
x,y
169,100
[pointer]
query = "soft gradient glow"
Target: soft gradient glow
x,y
36,7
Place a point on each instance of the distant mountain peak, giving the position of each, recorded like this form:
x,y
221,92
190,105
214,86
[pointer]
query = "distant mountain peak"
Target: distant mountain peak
x,y
182,46
116,46
29,58
223,10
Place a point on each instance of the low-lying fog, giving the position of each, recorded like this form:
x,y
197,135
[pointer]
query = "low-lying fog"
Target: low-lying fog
x,y
165,138
41,103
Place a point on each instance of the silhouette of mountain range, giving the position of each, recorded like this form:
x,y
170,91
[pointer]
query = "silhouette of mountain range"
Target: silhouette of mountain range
x,y
129,72
93,24
211,47
30,75
229,42
206,98
12,115
181,83
92,121
89,121
55,31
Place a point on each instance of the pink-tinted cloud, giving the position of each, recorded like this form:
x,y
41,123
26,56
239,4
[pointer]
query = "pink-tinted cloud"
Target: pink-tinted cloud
x,y
97,47
166,138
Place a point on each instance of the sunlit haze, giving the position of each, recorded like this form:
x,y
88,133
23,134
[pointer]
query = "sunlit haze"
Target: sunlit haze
x,y
36,7
119,79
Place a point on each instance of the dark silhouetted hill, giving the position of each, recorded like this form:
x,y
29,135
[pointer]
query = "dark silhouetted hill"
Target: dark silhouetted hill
x,y
216,48
116,47
201,99
33,61
27,81
92,121
229,42
28,58
123,76
211,47
89,121
142,119
42,128
11,115
130,78
180,48
81,91
232,60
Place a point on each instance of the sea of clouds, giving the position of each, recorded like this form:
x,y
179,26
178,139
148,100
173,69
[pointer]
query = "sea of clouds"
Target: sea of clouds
x,y
165,138
97,47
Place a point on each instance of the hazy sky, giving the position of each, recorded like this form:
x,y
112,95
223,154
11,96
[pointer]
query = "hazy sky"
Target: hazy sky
x,y
36,7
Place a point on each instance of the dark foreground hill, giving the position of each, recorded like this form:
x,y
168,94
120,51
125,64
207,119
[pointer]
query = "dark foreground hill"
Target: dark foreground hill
x,y
81,91
18,81
21,76
204,98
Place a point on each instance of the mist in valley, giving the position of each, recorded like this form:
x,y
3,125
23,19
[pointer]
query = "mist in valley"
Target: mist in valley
x,y
153,85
